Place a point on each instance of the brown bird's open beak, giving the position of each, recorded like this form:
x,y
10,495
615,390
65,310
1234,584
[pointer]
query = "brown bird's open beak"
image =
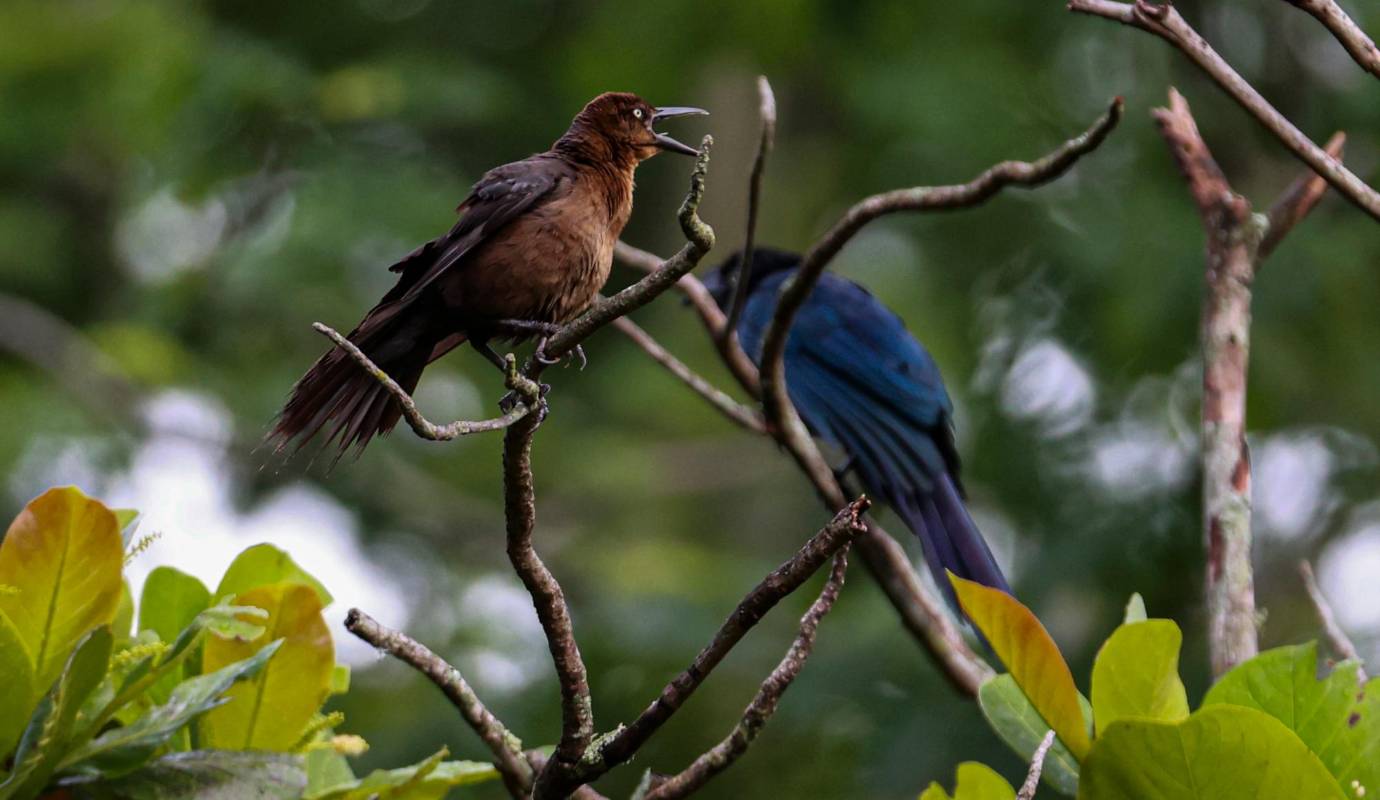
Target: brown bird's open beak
x,y
666,142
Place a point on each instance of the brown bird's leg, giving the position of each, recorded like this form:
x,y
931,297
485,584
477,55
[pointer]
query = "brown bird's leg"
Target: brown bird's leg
x,y
545,329
482,345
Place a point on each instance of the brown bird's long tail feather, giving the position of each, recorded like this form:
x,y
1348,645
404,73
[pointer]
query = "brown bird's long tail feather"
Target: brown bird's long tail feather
x,y
339,395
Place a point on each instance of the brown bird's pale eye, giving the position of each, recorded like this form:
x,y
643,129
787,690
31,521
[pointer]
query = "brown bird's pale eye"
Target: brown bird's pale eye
x,y
637,112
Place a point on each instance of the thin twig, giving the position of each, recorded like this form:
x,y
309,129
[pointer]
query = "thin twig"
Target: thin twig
x,y
420,424
1165,22
740,414
509,760
759,166
1355,40
1337,637
785,579
1295,202
742,368
1233,236
519,506
764,703
1037,765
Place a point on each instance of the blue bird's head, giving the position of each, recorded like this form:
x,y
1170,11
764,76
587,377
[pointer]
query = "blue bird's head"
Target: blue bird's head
x,y
766,261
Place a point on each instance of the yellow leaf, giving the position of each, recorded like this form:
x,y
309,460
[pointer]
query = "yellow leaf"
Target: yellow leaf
x,y
63,555
1031,656
1136,675
18,698
270,711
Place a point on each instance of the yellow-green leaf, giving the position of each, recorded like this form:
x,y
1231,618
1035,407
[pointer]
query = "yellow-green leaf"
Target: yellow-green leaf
x,y
169,602
975,782
1222,752
123,624
1135,608
1031,656
271,711
264,564
63,555
19,696
1136,674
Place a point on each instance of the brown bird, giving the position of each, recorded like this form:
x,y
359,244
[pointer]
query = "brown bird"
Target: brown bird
x,y
533,246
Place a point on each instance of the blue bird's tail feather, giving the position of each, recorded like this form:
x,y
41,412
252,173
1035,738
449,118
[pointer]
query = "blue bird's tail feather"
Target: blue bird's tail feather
x,y
950,539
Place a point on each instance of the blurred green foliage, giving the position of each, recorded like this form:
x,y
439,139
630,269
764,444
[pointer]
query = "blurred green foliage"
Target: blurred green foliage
x,y
188,184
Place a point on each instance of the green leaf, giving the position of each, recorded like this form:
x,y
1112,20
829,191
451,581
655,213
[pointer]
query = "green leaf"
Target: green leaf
x,y
63,555
1222,752
49,734
326,770
262,565
123,749
271,711
127,519
1336,719
169,602
19,697
1031,656
1136,674
340,679
1018,724
975,782
1135,609
429,779
123,624
206,775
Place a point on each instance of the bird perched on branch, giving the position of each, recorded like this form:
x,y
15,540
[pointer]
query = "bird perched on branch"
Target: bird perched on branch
x,y
533,246
863,384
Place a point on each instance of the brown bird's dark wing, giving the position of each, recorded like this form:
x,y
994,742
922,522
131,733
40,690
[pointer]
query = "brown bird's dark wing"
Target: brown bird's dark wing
x,y
502,195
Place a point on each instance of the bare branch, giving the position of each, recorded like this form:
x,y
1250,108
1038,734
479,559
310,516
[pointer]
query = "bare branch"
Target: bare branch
x,y
788,577
1165,22
1233,237
699,241
1297,201
1037,765
764,703
1355,40
759,165
519,506
1337,637
420,424
507,749
710,314
740,414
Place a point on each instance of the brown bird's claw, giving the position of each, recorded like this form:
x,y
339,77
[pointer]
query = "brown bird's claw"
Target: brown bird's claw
x,y
578,352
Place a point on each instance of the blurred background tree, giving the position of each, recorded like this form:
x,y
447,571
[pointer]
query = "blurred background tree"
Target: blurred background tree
x,y
185,186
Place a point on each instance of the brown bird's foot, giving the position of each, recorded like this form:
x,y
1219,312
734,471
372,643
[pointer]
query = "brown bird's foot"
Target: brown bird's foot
x,y
525,327
509,401
578,352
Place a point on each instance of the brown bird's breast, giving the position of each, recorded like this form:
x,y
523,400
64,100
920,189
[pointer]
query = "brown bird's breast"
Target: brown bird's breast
x,y
550,263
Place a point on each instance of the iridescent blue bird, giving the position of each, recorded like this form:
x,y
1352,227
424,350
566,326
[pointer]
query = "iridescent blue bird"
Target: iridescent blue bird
x,y
864,385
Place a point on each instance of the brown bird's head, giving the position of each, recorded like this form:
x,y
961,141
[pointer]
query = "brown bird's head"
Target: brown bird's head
x,y
619,126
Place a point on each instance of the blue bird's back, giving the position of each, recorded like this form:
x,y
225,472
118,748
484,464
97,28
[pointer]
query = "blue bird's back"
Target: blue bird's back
x,y
865,385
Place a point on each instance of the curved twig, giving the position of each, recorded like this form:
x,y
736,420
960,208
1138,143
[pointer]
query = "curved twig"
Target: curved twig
x,y
1165,22
764,703
1348,33
759,166
1341,643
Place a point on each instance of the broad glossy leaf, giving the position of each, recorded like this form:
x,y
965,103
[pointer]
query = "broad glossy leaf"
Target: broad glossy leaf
x,y
207,775
430,779
262,565
1018,724
1222,752
1136,674
63,555
271,711
1338,721
169,602
1031,656
49,734
975,782
19,696
123,749
1135,609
